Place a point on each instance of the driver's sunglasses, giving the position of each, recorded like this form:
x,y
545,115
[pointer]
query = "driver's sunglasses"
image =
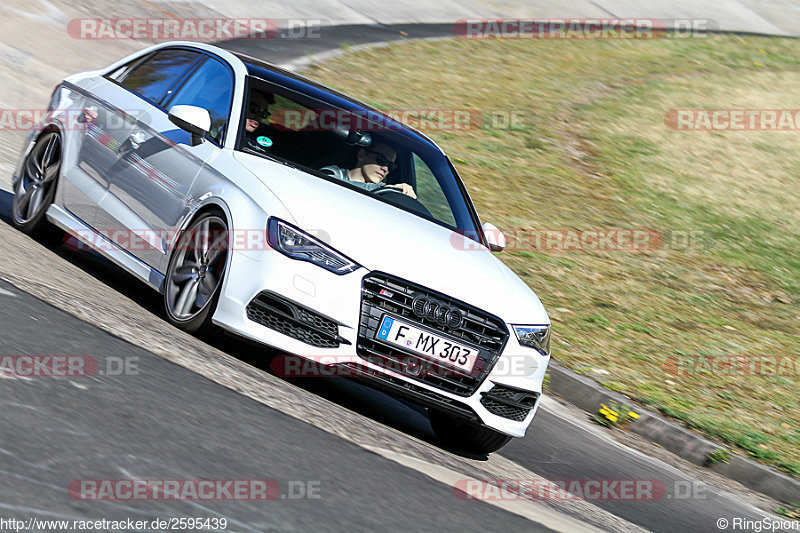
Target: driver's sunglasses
x,y
383,161
255,110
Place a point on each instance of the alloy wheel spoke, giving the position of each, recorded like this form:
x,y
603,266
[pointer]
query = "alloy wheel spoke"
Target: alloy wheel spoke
x,y
20,190
190,297
50,172
36,159
186,298
208,284
202,299
205,237
218,249
201,241
31,168
49,153
35,202
219,244
23,196
214,255
184,273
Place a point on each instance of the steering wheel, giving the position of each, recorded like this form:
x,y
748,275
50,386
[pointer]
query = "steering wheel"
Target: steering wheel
x,y
396,197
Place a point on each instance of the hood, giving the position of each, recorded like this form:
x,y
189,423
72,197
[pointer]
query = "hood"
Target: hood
x,y
382,237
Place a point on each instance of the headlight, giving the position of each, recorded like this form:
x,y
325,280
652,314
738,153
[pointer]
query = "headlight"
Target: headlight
x,y
296,244
534,336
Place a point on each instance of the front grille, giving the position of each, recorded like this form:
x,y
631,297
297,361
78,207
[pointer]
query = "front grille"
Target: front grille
x,y
509,403
289,318
383,293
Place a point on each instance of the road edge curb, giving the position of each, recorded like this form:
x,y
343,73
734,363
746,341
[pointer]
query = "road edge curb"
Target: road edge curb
x,y
587,394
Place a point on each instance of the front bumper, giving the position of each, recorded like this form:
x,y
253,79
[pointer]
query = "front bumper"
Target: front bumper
x,y
504,396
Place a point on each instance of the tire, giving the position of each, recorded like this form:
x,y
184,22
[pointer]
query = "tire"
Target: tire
x,y
466,436
36,187
194,276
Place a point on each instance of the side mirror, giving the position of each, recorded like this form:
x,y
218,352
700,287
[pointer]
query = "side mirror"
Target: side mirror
x,y
195,120
495,237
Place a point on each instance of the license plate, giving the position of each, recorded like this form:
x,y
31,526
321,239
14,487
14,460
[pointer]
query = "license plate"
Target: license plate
x,y
430,345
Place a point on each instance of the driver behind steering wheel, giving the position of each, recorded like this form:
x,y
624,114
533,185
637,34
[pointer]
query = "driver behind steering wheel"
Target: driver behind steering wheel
x,y
373,164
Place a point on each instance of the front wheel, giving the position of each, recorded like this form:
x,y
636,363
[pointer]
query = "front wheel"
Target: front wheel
x,y
466,436
194,275
36,187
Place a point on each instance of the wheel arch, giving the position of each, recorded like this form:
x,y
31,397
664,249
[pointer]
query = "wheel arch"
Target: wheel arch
x,y
33,138
209,205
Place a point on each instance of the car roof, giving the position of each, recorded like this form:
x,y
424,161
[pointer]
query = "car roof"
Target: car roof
x,y
275,74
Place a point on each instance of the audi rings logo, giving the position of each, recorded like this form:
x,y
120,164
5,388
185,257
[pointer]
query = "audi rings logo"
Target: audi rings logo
x,y
439,312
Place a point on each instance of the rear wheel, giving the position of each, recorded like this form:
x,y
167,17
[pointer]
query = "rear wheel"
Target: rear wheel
x,y
36,187
194,275
466,436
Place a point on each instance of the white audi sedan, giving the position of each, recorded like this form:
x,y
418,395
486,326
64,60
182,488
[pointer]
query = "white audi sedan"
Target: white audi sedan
x,y
280,210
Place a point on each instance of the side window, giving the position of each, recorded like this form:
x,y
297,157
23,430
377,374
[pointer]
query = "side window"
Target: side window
x,y
122,71
209,87
430,193
289,115
279,126
152,78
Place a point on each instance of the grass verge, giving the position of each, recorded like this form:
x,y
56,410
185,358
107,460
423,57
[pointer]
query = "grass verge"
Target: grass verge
x,y
577,135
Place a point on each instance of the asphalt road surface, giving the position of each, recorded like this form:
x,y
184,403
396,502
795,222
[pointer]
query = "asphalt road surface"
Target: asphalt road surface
x,y
159,420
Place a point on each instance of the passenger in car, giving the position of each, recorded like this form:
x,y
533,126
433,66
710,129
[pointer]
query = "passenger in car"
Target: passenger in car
x,y
373,164
256,131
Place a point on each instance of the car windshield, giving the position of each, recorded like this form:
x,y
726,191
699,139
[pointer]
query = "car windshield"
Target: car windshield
x,y
357,149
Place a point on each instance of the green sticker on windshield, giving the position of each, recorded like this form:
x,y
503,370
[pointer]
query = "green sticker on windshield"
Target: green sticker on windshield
x,y
263,140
